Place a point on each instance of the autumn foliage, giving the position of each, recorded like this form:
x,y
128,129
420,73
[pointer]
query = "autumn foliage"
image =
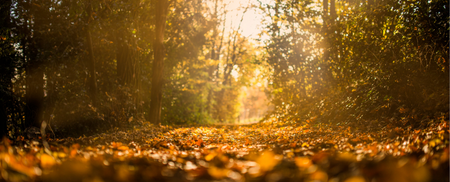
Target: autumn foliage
x,y
259,152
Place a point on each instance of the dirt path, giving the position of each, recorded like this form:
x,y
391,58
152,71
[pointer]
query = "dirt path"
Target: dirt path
x,y
235,124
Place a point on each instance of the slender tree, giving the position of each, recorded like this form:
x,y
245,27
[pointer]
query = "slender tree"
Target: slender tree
x,y
92,82
333,9
34,70
158,61
7,57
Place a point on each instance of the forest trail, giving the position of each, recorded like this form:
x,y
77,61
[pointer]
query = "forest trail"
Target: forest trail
x,y
351,91
257,152
236,124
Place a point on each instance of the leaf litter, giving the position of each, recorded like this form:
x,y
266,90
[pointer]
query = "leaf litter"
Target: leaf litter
x,y
258,152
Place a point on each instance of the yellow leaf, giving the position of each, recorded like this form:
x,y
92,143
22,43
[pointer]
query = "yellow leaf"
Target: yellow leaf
x,y
123,148
346,156
267,161
435,142
302,162
355,179
319,176
89,148
218,173
16,165
210,156
47,161
61,154
180,160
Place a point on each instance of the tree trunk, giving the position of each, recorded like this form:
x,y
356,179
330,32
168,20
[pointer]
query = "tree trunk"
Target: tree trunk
x,y
3,118
125,60
333,10
328,77
212,57
34,71
158,62
6,68
92,81
325,11
34,91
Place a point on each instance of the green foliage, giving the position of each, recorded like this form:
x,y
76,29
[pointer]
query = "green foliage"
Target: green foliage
x,y
381,59
389,59
52,40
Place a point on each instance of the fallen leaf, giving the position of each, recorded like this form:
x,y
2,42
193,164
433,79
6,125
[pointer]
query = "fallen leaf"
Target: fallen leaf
x,y
355,179
47,161
267,161
302,162
218,173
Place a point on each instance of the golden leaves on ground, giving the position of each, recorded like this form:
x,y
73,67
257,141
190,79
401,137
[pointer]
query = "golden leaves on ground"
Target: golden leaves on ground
x,y
19,165
260,152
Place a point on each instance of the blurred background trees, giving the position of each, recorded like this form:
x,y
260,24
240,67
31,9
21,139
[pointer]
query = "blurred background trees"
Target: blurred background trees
x,y
359,62
84,66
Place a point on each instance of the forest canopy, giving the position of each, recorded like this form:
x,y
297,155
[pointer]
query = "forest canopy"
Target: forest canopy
x,y
83,66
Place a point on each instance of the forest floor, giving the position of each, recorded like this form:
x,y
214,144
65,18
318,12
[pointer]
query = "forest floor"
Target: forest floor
x,y
257,152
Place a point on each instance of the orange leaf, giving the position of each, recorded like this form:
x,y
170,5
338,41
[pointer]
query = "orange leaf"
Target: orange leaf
x,y
122,148
267,161
19,167
293,145
47,161
210,156
355,179
303,162
76,146
218,173
199,142
73,152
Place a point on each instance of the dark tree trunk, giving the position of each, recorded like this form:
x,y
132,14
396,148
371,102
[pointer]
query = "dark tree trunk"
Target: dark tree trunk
x,y
121,56
333,9
6,65
92,81
34,91
328,77
34,70
158,62
325,11
126,62
3,118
